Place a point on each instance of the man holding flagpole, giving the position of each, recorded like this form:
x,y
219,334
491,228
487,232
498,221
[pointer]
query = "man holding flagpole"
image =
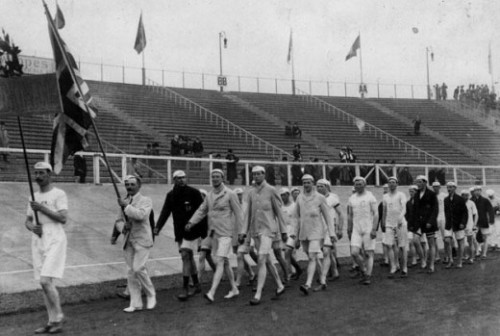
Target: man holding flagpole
x,y
352,53
140,45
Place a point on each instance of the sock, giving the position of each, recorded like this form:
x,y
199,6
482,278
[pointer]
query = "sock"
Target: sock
x,y
185,281
195,279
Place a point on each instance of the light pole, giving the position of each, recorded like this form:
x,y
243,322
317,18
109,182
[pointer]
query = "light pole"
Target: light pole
x,y
222,37
427,49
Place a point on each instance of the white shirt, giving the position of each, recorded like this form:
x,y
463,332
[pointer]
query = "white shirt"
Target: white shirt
x,y
289,217
54,200
333,201
395,205
471,211
441,196
362,206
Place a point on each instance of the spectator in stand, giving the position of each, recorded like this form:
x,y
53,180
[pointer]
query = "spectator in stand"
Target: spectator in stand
x,y
296,173
232,173
155,149
175,146
270,174
297,132
462,93
217,165
404,176
444,91
4,140
288,128
197,147
456,93
350,155
343,154
297,155
437,91
283,172
80,168
416,125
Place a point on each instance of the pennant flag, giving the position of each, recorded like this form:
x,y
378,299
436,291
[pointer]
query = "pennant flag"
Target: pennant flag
x,y
490,63
140,39
59,21
415,30
360,124
355,46
290,49
70,129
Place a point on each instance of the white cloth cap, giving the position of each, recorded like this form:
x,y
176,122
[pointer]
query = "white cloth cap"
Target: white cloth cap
x,y
393,178
307,177
179,173
238,191
132,177
295,189
359,178
43,165
218,171
421,177
464,192
323,181
285,190
436,184
258,169
414,187
490,192
451,184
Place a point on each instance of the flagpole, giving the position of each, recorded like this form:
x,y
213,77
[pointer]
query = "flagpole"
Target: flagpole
x,y
30,183
80,92
361,67
143,69
490,68
293,65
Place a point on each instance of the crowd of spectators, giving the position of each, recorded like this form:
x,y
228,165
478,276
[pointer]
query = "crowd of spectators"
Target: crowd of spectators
x,y
293,130
478,94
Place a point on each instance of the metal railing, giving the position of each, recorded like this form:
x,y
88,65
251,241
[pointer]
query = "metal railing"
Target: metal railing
x,y
219,121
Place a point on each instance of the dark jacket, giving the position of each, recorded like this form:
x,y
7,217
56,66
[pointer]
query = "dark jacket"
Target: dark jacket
x,y
410,216
425,211
485,213
455,213
182,203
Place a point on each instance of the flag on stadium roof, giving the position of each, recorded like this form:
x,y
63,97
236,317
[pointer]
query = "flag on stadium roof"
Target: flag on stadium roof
x,y
290,48
140,39
59,20
355,46
70,129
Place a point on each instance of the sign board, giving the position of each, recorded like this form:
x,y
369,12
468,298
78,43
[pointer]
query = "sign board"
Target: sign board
x,y
221,80
37,65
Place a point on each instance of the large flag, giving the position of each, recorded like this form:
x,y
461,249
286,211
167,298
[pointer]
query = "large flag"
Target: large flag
x,y
490,63
290,49
140,39
59,20
355,46
70,129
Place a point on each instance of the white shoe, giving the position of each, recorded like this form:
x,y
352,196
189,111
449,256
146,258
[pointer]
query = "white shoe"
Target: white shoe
x,y
232,294
151,302
132,309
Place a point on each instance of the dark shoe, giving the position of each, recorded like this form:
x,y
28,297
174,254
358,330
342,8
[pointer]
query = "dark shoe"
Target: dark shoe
x,y
430,270
384,264
43,330
251,281
367,280
450,265
404,274
254,302
334,278
123,296
297,275
321,287
197,290
209,298
183,296
280,291
304,289
392,275
55,328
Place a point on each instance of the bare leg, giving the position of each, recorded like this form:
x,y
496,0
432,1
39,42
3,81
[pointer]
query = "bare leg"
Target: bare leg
x,y
460,252
219,270
261,275
52,299
390,255
279,257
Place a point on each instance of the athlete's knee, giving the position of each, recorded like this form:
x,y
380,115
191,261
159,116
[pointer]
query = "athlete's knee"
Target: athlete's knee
x,y
186,254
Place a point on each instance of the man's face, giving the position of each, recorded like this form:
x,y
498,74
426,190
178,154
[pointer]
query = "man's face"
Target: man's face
x,y
285,197
321,188
465,196
392,185
411,192
42,177
451,189
421,184
359,186
216,179
180,181
295,194
385,189
258,177
436,189
477,192
132,186
308,185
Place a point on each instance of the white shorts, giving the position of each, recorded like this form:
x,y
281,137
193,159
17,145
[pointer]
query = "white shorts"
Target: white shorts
x,y
206,244
402,235
311,246
390,236
222,246
362,239
485,231
189,244
469,232
49,255
263,244
422,238
290,243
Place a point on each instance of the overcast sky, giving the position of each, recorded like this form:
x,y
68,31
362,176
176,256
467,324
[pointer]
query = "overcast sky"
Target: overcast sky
x,y
183,35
